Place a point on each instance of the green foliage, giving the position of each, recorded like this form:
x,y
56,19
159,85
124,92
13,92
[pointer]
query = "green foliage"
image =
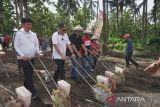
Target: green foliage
x,y
7,22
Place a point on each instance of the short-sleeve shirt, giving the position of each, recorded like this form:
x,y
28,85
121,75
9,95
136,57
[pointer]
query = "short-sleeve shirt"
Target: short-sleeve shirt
x,y
76,40
61,41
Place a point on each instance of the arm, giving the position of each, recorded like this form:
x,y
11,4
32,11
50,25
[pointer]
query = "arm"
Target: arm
x,y
84,48
70,48
55,44
75,49
16,45
58,50
37,45
69,45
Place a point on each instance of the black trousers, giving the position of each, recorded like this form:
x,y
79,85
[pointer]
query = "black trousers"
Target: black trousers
x,y
128,58
28,74
60,72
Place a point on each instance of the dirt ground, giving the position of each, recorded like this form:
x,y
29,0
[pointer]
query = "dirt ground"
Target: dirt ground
x,y
137,81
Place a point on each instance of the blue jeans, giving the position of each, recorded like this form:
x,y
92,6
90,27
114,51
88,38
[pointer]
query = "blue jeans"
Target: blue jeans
x,y
74,72
87,63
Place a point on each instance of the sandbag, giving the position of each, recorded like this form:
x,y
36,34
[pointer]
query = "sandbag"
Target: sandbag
x,y
24,95
60,99
112,79
154,67
101,92
2,54
1,47
119,75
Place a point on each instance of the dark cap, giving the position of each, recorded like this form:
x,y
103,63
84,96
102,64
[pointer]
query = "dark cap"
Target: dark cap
x,y
62,25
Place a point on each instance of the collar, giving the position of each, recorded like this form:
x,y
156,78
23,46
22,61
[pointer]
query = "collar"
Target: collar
x,y
22,30
60,33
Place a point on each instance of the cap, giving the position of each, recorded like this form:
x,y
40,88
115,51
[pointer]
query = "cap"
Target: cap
x,y
62,25
126,36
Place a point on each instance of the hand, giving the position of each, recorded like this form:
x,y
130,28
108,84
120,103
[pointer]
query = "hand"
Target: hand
x,y
73,55
91,53
25,58
86,53
63,58
79,55
153,68
40,55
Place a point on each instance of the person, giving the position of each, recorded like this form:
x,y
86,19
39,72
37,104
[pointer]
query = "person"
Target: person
x,y
77,44
129,50
44,45
50,43
87,59
95,48
60,44
27,48
6,41
40,41
1,43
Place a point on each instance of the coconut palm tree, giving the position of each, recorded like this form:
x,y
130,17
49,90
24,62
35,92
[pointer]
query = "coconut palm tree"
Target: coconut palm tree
x,y
154,15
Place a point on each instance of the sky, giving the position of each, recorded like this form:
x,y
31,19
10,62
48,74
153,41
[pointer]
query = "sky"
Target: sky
x,y
150,5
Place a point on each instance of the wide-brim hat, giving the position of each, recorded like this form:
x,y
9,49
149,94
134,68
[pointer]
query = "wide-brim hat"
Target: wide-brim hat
x,y
94,37
88,31
78,28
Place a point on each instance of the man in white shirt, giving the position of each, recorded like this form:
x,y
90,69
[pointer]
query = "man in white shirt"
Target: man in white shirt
x,y
60,42
27,47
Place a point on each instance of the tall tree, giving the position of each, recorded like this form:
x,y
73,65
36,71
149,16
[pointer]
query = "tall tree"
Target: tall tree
x,y
105,34
144,23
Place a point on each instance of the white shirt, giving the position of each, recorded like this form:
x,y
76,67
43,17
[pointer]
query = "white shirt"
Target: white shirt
x,y
26,44
61,41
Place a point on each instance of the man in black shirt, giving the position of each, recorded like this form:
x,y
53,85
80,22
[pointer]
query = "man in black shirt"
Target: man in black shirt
x,y
77,44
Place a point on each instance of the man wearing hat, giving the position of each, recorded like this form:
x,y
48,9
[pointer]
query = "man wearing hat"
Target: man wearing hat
x,y
95,48
129,50
60,42
77,44
87,59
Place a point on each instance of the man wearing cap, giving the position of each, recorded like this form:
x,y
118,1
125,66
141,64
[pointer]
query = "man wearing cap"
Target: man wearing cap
x,y
129,50
60,42
87,59
27,48
77,44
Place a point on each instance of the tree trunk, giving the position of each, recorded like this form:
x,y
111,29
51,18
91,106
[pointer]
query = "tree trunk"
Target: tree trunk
x,y
25,4
117,14
85,14
20,5
155,18
97,9
105,29
146,21
143,24
17,14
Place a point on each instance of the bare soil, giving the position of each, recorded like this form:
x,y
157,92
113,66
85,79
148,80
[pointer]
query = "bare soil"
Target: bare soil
x,y
137,81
